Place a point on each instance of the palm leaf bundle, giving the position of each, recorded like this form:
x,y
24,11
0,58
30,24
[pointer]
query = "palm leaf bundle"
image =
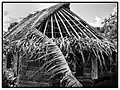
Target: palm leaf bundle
x,y
39,60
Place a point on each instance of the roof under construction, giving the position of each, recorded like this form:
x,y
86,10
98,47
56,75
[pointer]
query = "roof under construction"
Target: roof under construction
x,y
56,21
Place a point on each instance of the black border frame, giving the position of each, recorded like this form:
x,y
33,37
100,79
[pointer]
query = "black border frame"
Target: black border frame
x,y
57,2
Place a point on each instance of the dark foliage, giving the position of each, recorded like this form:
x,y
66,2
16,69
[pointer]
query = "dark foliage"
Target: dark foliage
x,y
12,25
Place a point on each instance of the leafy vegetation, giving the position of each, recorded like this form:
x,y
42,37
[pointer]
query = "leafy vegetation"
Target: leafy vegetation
x,y
110,27
41,58
12,25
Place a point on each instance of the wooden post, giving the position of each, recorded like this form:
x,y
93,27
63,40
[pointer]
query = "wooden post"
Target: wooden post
x,y
94,71
79,65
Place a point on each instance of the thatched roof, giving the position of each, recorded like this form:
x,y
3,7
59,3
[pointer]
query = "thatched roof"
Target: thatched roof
x,y
43,14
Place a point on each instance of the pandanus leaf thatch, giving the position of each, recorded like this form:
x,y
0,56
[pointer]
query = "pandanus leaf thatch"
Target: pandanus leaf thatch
x,y
40,60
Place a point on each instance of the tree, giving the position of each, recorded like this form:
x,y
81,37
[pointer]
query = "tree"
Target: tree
x,y
109,28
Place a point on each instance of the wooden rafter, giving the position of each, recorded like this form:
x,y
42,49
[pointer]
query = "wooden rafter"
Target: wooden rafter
x,y
45,27
76,25
58,26
19,26
71,34
63,24
52,26
70,25
36,20
39,27
69,12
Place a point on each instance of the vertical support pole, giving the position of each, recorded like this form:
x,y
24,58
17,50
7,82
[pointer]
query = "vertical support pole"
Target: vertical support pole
x,y
94,71
79,65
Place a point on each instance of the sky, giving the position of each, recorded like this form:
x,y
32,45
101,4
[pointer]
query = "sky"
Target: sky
x,y
93,13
